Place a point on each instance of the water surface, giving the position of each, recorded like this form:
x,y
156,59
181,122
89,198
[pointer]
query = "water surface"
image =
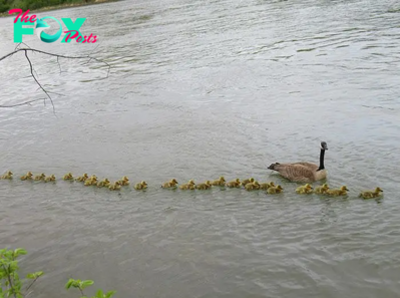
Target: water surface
x,y
197,90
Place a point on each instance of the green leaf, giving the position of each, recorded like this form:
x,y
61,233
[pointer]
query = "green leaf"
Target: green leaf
x,y
34,275
110,294
86,283
20,251
69,283
99,293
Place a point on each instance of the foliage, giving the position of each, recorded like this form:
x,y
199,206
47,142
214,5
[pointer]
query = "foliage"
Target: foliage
x,y
6,5
82,284
10,282
12,286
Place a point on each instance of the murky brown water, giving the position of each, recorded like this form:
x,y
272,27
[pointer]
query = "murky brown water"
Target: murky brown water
x,y
201,89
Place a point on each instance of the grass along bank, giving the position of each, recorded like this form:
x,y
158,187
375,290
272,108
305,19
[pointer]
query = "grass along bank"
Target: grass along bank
x,y
44,5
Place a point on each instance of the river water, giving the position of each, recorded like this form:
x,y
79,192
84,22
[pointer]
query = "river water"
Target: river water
x,y
200,89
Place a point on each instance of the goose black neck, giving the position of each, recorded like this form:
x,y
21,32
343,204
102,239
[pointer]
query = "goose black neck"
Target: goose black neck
x,y
321,160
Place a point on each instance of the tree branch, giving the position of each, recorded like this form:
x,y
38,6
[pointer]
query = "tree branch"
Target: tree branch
x,y
32,70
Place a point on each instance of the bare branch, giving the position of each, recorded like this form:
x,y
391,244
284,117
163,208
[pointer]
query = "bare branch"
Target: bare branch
x,y
21,103
57,55
37,82
35,76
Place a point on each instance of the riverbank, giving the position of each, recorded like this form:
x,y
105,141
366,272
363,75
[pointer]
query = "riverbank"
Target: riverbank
x,y
63,6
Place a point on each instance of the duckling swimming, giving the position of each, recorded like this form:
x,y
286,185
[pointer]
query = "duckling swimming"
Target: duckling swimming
x,y
370,194
141,186
321,189
252,186
28,176
265,186
124,181
82,178
337,192
114,186
234,183
103,183
50,178
8,175
188,186
68,177
220,182
206,185
245,181
274,190
305,189
170,184
40,177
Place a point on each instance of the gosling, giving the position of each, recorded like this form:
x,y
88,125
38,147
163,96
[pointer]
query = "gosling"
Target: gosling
x,y
337,192
206,185
68,177
50,178
28,176
265,186
275,190
220,182
305,189
370,194
321,189
234,183
170,184
8,175
141,186
41,177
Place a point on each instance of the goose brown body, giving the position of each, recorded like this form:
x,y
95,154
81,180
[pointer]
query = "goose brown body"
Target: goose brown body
x,y
302,171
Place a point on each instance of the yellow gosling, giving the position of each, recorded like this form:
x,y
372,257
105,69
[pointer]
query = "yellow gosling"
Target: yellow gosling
x,y
370,194
82,178
206,185
245,181
252,186
103,183
50,178
321,189
234,183
141,186
265,186
8,175
337,192
188,186
124,181
28,176
275,190
68,177
170,184
40,177
114,186
220,182
305,189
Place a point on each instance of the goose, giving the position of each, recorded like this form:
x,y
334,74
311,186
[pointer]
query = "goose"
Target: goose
x,y
303,171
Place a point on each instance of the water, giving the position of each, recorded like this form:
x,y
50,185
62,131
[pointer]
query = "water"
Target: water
x,y
197,90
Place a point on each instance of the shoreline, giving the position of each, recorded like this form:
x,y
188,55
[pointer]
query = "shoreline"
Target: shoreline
x,y
61,6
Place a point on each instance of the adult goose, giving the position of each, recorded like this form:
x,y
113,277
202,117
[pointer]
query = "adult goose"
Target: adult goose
x,y
303,171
